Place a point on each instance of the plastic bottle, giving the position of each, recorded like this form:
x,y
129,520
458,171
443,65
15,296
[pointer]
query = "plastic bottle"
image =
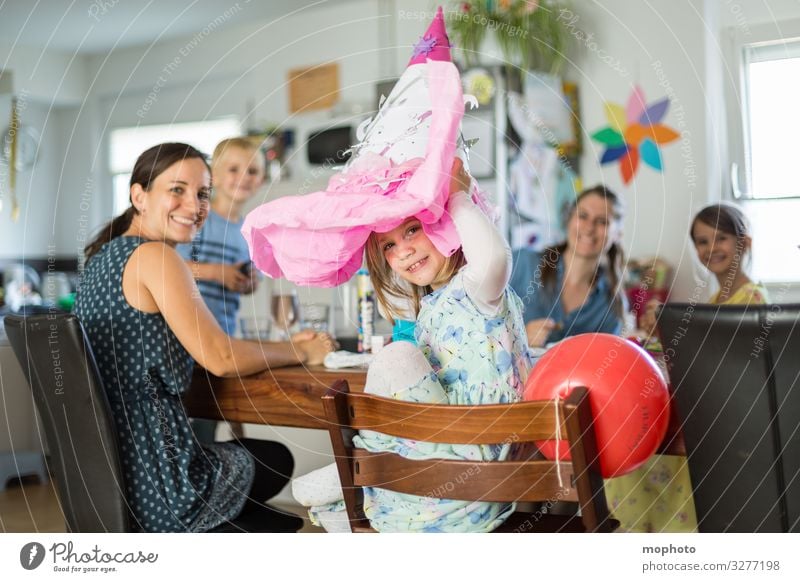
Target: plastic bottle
x,y
366,310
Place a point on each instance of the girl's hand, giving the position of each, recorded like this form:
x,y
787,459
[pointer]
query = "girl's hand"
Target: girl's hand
x,y
460,181
538,330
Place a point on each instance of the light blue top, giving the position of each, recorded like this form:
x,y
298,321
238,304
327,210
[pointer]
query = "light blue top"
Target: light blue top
x,y
477,359
219,241
540,301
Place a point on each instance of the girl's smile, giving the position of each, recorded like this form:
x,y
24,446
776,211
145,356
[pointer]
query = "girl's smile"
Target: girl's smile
x,y
411,254
718,251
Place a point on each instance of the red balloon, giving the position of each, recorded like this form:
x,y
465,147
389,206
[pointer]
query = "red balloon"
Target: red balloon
x,y
627,394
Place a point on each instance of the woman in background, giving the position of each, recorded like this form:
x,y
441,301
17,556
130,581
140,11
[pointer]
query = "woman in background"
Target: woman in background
x,y
575,287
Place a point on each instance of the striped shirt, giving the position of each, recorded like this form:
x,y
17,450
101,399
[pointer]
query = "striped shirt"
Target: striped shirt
x,y
218,241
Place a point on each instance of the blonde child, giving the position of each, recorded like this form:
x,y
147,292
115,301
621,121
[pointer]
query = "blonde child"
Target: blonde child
x,y
472,349
657,497
218,256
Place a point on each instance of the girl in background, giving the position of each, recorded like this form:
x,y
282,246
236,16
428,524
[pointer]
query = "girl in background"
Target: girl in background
x,y
721,236
658,496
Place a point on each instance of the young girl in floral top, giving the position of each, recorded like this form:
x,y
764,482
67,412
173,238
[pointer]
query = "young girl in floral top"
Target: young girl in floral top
x,y
469,330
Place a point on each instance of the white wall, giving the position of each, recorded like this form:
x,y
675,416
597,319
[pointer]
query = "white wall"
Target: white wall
x,y
35,231
660,47
47,76
44,81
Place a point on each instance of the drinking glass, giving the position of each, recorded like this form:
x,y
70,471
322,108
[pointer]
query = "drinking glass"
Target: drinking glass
x,y
255,328
315,316
285,311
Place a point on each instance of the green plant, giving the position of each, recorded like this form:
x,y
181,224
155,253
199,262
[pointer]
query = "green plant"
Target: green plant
x,y
529,32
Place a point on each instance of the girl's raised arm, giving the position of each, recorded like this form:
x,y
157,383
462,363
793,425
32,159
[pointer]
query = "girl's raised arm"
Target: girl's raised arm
x,y
486,251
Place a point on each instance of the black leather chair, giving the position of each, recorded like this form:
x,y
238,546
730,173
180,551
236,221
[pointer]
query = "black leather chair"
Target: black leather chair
x,y
735,372
84,452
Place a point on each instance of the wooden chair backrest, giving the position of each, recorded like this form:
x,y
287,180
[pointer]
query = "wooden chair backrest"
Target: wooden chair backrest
x,y
525,476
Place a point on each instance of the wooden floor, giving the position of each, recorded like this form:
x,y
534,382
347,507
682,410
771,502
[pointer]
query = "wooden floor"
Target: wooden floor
x,y
33,507
30,507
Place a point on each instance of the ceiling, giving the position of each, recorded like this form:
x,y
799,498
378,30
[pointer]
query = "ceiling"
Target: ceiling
x,y
98,26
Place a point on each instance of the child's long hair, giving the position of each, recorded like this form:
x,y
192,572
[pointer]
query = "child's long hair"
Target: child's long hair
x,y
725,218
390,290
149,166
614,258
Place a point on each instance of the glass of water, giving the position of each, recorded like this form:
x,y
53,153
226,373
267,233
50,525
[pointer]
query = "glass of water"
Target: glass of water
x,y
255,328
315,316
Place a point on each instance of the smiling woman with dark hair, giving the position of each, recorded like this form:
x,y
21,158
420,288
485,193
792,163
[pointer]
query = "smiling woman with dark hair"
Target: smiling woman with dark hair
x,y
575,287
147,325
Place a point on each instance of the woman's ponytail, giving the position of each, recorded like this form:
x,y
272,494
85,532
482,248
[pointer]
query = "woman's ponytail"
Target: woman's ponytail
x,y
110,231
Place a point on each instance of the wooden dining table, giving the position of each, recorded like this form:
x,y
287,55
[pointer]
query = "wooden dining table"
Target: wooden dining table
x,y
290,396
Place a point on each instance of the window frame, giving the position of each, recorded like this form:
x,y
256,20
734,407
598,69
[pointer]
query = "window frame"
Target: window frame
x,y
736,41
167,132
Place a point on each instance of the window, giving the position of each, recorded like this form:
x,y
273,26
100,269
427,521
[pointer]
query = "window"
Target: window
x,y
128,142
771,196
772,81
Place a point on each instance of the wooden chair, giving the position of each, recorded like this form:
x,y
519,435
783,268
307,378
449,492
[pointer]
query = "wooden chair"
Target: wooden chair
x,y
525,477
58,361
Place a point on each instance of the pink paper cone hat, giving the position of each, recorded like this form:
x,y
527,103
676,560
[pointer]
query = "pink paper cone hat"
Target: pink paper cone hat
x,y
400,168
434,44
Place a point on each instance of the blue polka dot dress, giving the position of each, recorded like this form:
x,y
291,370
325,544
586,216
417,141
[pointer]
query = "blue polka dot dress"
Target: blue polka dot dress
x,y
173,483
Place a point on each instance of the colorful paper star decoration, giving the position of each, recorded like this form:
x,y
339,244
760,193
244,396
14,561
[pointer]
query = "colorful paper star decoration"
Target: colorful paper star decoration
x,y
635,133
